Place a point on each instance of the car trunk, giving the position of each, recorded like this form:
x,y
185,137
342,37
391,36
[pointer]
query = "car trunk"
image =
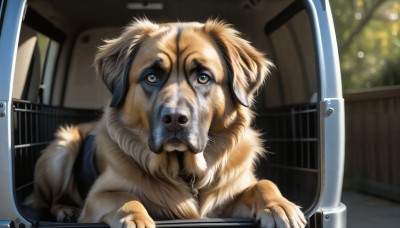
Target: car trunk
x,y
55,84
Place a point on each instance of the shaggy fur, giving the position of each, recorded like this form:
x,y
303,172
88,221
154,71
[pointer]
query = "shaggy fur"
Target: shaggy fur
x,y
176,141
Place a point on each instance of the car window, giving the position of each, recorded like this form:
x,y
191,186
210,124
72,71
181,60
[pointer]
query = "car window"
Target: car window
x,y
36,61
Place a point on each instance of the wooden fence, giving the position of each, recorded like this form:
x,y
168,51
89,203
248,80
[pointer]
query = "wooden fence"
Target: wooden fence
x,y
373,142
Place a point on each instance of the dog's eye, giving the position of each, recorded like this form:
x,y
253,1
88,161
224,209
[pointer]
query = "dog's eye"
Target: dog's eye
x,y
151,78
203,78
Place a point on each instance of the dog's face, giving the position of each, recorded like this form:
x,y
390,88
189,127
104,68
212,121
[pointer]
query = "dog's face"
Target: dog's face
x,y
178,82
177,77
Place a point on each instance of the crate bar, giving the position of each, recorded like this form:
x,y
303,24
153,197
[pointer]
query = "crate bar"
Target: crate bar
x,y
31,145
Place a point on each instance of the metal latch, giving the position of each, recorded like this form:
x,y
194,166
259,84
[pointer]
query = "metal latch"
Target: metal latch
x,y
329,107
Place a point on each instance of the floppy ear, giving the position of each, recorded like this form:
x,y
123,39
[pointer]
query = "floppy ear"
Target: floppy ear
x,y
114,59
247,67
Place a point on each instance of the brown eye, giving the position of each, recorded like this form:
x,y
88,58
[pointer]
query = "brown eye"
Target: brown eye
x,y
151,78
203,78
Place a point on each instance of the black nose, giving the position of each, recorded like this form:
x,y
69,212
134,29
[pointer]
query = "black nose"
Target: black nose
x,y
175,119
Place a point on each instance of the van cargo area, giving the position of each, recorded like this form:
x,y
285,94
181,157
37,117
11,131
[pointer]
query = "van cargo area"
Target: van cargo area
x,y
48,80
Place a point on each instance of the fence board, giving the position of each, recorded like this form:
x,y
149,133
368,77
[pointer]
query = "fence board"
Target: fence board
x,y
373,141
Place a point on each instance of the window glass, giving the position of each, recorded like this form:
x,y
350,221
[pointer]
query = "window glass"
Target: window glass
x,y
293,45
35,65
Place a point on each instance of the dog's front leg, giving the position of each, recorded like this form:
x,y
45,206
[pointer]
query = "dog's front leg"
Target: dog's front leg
x,y
264,202
117,209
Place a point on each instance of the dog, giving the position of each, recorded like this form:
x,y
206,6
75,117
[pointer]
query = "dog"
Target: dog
x,y
176,141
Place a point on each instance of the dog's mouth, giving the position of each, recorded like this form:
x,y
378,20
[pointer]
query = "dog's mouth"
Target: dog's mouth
x,y
159,143
175,145
181,160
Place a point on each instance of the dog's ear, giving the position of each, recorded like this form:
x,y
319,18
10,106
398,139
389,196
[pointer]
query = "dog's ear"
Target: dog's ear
x,y
247,67
115,57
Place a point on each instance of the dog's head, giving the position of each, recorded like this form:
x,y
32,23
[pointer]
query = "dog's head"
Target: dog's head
x,y
177,82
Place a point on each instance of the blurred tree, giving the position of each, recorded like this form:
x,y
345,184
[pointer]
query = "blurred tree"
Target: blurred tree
x,y
368,39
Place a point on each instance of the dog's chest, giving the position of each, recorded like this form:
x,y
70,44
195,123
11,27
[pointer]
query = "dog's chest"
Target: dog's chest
x,y
188,178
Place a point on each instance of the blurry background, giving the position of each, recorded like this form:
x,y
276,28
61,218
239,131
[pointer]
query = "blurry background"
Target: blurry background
x,y
368,42
369,48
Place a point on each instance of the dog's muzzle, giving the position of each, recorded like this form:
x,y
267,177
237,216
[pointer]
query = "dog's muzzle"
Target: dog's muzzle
x,y
175,129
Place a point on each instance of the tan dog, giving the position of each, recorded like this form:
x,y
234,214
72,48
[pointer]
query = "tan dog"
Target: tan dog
x,y
176,141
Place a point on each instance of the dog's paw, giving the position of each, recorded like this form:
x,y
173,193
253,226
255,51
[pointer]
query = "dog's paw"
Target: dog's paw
x,y
134,215
281,214
66,213
137,221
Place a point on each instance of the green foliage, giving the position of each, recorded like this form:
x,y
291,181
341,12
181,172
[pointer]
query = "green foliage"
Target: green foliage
x,y
368,35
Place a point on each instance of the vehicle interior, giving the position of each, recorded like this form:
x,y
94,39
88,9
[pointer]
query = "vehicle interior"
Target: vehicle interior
x,y
55,82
